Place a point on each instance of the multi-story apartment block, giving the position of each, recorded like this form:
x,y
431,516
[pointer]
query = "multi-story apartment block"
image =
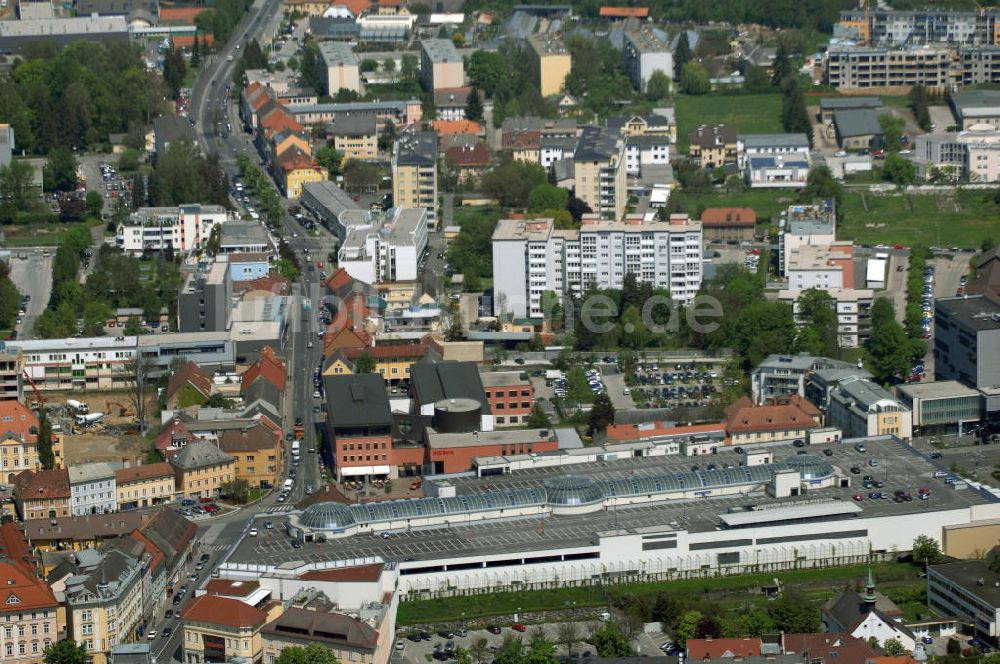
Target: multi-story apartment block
x,y
511,396
860,408
387,250
92,488
205,301
853,309
92,363
343,69
531,257
356,137
781,375
441,65
646,51
551,62
856,67
414,173
145,485
600,169
973,154
201,468
19,439
29,616
106,600
978,65
42,494
11,377
712,147
181,228
889,27
967,340
805,225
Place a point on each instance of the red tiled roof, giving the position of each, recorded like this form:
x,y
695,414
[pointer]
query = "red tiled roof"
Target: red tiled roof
x,y
457,127
294,159
743,415
216,610
269,367
14,546
632,432
477,155
522,140
23,423
190,374
718,648
356,6
31,593
255,438
273,283
146,471
42,484
624,12
338,279
829,647
175,429
729,216
361,574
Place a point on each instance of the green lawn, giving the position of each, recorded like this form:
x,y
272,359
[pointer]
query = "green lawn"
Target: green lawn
x,y
964,219
464,214
41,235
765,202
820,584
750,114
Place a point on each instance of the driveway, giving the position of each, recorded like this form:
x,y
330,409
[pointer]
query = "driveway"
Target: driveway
x,y
941,117
33,276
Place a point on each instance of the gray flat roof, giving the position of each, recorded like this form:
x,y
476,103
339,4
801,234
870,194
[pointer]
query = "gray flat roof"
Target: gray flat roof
x,y
335,53
857,122
440,50
976,103
357,400
967,575
775,140
331,197
836,103
977,311
498,437
941,389
504,378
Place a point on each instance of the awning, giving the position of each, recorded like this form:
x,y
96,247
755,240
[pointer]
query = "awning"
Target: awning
x,y
353,471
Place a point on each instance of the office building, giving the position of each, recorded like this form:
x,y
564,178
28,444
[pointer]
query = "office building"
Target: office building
x,y
968,590
859,67
967,340
92,488
646,51
15,36
183,228
551,62
205,299
600,172
359,423
343,69
387,250
860,408
531,257
441,65
973,108
973,154
941,407
356,137
781,375
511,396
414,173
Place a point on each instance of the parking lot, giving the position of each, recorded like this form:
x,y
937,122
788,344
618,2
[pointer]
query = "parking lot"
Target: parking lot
x,y
31,272
690,384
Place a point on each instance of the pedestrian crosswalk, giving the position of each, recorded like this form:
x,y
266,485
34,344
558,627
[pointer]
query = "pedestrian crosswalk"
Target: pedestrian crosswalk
x,y
217,546
276,509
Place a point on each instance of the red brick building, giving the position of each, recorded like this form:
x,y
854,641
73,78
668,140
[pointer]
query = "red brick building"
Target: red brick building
x,y
454,452
511,396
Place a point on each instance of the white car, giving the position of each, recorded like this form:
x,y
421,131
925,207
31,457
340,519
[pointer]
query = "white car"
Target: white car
x,y
253,532
151,635
840,153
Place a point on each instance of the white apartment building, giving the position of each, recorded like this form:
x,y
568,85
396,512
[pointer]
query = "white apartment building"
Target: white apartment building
x,y
183,228
646,51
853,309
973,154
805,224
648,150
388,249
823,266
92,489
90,363
531,257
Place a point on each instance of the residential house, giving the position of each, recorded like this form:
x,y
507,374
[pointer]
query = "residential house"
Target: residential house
x,y
392,362
76,533
729,225
860,408
349,638
646,51
441,65
92,488
865,616
42,494
468,163
296,168
550,63
174,435
201,469
188,386
19,438
30,614
267,367
144,486
414,172
663,122
713,147
450,104
355,137
257,451
781,419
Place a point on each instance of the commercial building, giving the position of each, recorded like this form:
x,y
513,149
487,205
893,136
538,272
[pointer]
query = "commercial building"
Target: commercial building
x,y
359,423
389,249
973,154
859,67
967,340
414,172
830,105
441,65
201,468
356,137
858,129
222,629
257,451
729,225
183,228
19,439
144,486
15,36
455,452
41,494
860,408
968,590
713,147
941,407
551,62
328,202
600,172
343,69
781,419
92,488
205,300
511,396
781,375
531,257
973,108
646,51
30,615
11,377
802,225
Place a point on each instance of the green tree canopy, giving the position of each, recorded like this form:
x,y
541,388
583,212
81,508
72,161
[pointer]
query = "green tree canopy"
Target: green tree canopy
x,y
694,79
602,413
658,86
314,653
899,170
547,197
926,550
66,651
610,641
512,183
793,613
59,173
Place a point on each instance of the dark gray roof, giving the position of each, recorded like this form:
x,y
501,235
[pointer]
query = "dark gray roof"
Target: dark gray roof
x,y
617,122
447,380
595,144
417,149
199,454
353,125
976,102
357,400
844,103
857,122
976,311
966,575
116,7
329,27
262,390
169,128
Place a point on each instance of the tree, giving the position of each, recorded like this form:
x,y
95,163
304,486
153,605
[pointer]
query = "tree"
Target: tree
x,y
369,65
365,364
360,175
512,183
821,185
538,419
72,208
708,627
389,66
757,80
568,635
474,106
817,312
511,651
888,345
46,456
893,648
899,170
238,490
59,172
547,197
174,70
892,132
94,203
540,649
135,375
312,69
793,613
479,651
196,52
686,627
409,69
610,641
66,651
487,70
552,310
387,137
782,67
314,653
682,54
330,159
694,79
658,86
16,184
602,413
926,550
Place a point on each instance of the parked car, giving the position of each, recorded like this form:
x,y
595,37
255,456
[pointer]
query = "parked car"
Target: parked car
x,y
518,627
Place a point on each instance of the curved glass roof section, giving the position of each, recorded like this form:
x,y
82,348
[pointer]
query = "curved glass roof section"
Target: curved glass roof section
x,y
560,490
572,490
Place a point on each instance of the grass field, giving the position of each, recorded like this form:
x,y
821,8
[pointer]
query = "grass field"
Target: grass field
x,y
766,203
750,114
42,235
896,580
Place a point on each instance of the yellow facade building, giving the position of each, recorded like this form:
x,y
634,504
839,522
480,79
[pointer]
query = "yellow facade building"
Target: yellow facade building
x,y
19,439
143,486
218,629
201,469
257,452
552,62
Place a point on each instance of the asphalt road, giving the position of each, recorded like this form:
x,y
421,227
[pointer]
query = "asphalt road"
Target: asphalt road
x,y
32,276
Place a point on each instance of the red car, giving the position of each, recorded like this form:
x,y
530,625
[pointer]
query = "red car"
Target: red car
x,y
206,499
211,508
518,627
858,497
